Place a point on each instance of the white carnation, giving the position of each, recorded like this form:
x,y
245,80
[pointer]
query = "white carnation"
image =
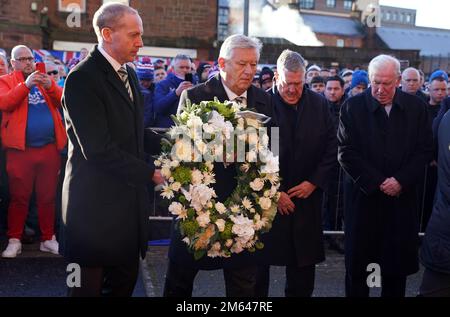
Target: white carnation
x,y
203,219
196,177
199,196
272,164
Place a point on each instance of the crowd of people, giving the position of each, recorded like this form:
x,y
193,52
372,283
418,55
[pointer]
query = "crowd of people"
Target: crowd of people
x,y
361,151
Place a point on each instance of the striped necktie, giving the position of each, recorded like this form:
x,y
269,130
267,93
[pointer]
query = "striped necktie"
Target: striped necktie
x,y
241,100
124,76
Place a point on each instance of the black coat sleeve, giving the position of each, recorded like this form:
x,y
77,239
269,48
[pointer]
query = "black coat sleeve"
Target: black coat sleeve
x,y
85,112
412,169
367,177
321,175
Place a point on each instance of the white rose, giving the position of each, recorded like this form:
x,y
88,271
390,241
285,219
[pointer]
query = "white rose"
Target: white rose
x,y
194,121
208,128
203,219
220,223
242,227
174,164
175,186
209,165
165,172
182,151
220,208
265,203
257,184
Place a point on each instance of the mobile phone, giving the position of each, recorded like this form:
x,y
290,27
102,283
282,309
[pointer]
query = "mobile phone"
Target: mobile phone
x,y
188,77
40,66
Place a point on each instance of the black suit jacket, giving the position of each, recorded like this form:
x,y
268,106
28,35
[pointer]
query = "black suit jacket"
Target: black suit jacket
x,y
259,101
104,201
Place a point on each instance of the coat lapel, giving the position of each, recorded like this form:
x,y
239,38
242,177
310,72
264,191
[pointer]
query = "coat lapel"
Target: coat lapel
x,y
111,76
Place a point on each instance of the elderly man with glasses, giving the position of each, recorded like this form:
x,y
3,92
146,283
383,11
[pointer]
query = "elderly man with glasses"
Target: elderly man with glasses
x,y
32,134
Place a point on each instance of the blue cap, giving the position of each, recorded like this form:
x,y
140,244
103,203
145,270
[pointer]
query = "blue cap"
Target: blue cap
x,y
360,77
438,73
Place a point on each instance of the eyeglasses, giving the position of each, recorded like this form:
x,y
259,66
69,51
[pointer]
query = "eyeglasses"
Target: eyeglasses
x,y
25,59
53,72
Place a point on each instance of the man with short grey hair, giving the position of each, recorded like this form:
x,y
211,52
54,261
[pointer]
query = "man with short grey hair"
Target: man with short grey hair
x,y
308,148
237,62
168,91
411,83
384,143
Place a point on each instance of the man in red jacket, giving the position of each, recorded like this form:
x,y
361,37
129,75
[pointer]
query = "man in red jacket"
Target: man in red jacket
x,y
32,134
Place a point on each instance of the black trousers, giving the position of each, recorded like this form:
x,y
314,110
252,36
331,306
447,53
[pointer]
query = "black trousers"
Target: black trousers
x,y
391,286
435,284
239,282
117,281
299,281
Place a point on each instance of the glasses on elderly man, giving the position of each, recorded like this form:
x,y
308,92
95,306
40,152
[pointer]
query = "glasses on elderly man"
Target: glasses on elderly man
x,y
53,72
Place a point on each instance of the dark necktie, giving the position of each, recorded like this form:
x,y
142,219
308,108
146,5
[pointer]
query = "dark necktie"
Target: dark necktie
x,y
124,76
241,100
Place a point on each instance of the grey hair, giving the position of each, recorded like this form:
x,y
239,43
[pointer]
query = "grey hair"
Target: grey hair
x,y
291,61
181,57
17,48
381,61
108,15
412,69
239,41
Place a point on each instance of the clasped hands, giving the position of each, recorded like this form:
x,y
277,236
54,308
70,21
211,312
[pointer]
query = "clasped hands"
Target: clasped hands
x,y
302,191
391,187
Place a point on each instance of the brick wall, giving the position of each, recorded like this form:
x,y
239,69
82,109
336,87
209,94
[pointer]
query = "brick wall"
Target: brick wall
x,y
167,23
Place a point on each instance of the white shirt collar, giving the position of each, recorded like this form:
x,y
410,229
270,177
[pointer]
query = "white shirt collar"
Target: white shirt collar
x,y
115,64
231,95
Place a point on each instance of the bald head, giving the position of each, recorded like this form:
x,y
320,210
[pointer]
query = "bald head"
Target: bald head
x,y
410,80
22,59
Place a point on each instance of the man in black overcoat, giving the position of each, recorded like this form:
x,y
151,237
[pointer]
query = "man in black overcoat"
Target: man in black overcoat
x,y
384,142
238,59
105,201
308,149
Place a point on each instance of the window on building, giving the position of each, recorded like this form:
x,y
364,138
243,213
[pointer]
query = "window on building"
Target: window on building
x,y
408,18
340,43
306,4
401,17
348,4
331,3
388,16
222,21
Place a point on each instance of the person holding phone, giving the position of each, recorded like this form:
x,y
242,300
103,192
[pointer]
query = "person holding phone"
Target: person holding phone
x,y
168,91
33,135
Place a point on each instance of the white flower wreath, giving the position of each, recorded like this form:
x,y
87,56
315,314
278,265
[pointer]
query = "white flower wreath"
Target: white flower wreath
x,y
206,225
